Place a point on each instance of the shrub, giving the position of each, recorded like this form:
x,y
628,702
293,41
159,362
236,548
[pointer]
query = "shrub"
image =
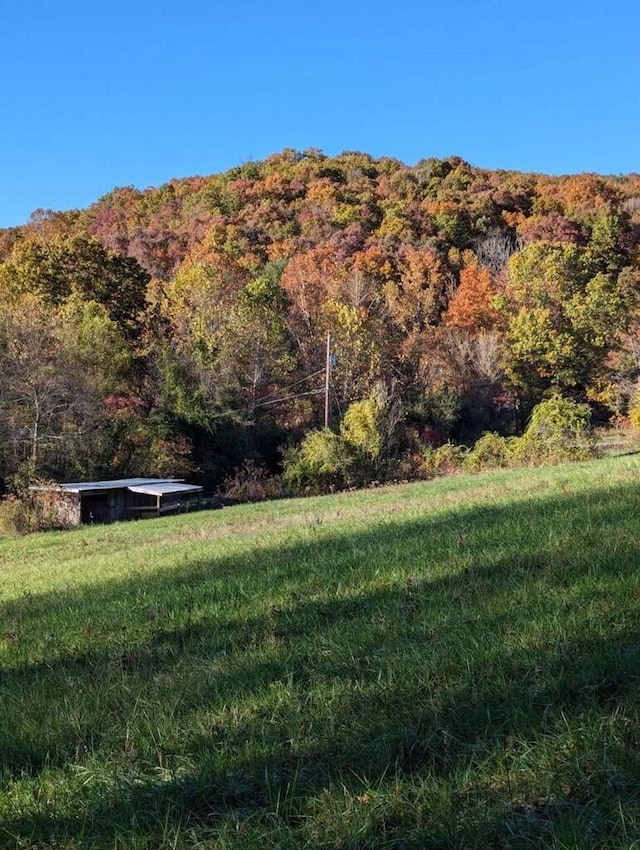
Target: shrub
x,y
445,460
21,512
33,503
360,429
559,430
16,516
491,451
634,411
252,483
370,432
318,465
362,452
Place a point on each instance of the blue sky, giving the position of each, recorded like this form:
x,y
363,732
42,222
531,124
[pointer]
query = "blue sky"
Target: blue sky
x,y
102,94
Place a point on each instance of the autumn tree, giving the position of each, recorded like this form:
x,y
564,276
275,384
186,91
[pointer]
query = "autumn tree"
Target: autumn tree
x,y
471,307
416,299
56,365
308,280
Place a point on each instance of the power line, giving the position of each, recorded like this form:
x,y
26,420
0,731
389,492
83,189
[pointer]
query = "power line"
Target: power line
x,y
296,383
266,401
288,398
230,412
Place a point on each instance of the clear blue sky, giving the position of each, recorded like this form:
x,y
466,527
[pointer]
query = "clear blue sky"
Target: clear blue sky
x,y
99,94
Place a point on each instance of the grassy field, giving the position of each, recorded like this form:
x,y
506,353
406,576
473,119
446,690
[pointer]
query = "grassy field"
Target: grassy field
x,y
445,664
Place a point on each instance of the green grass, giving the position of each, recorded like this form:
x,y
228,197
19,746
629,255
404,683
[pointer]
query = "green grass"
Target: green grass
x,y
446,664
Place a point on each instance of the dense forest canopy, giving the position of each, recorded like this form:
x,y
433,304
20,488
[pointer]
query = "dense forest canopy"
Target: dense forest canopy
x,y
182,330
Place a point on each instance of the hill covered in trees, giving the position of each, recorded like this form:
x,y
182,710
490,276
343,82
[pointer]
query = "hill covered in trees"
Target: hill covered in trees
x,y
182,330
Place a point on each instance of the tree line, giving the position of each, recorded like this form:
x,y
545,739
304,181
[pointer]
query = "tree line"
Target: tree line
x,y
181,330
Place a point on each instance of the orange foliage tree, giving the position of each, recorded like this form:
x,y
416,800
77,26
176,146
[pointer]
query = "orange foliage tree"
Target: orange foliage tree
x,y
471,306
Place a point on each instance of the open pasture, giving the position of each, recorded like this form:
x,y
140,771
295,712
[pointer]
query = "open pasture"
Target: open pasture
x,y
444,664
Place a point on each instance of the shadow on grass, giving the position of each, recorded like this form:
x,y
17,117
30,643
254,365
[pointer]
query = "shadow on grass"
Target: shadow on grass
x,y
417,678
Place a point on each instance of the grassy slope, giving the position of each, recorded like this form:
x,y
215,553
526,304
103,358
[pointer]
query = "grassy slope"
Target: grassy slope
x,y
448,664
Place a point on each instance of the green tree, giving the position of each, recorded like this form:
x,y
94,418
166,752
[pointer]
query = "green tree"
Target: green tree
x,y
606,252
229,340
55,270
356,347
564,321
194,310
255,348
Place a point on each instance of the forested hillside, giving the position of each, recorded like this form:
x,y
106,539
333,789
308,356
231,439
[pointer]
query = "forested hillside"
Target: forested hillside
x,y
182,330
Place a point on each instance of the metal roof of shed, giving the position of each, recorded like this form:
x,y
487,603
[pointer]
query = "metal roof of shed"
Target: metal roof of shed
x,y
118,484
163,489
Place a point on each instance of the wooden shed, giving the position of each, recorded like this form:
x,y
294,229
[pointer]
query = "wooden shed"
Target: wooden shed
x,y
162,497
110,501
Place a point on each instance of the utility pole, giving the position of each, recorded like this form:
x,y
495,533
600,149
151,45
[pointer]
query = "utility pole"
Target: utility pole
x,y
327,381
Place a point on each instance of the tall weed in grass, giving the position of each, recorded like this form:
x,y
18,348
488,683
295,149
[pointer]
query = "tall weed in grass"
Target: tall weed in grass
x,y
446,664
